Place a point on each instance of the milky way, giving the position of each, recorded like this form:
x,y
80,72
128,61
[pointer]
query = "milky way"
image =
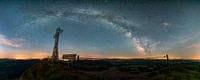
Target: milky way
x,y
103,27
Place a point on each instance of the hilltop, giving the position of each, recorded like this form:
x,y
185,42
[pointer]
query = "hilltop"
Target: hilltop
x,y
113,70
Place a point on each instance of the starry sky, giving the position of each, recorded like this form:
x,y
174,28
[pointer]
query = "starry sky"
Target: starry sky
x,y
101,28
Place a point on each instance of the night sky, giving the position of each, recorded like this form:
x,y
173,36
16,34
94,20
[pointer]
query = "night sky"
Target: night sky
x,y
101,28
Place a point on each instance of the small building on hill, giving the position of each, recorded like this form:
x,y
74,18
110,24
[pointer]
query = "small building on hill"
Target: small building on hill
x,y
70,57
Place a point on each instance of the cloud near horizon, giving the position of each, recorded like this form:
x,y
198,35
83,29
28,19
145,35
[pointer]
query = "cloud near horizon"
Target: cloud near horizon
x,y
8,42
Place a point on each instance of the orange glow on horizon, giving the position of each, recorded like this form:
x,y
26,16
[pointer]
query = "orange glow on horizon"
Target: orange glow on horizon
x,y
42,54
25,55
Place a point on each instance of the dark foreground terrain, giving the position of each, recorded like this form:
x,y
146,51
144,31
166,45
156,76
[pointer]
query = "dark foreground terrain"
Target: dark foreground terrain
x,y
114,70
11,69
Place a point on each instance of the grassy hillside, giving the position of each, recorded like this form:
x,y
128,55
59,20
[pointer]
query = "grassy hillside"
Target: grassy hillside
x,y
45,70
112,70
